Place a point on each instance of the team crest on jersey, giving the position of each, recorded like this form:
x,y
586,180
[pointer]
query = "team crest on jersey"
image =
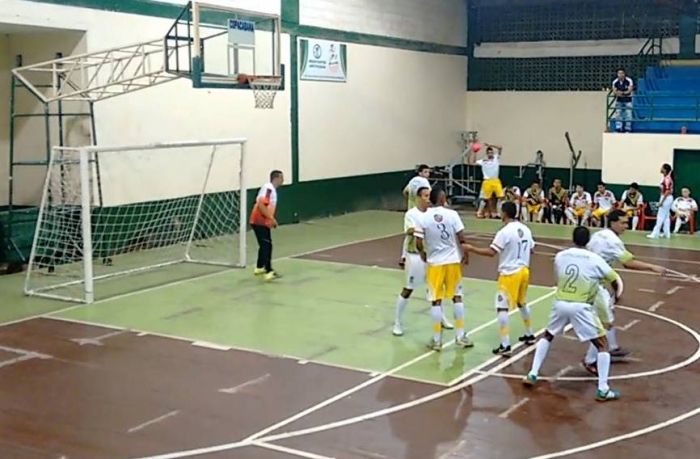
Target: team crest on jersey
x,y
520,233
437,217
500,298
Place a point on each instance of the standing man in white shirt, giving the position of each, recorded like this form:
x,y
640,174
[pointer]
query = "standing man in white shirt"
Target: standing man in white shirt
x,y
513,244
410,192
438,239
491,185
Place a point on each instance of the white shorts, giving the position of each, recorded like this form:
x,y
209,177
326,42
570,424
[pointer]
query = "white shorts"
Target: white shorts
x,y
415,271
604,305
581,316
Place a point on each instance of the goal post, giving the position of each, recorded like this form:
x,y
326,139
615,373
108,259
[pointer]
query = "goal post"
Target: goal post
x,y
163,211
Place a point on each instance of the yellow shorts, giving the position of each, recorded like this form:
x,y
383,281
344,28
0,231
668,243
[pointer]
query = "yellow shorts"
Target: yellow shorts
x,y
514,288
533,209
444,281
631,211
490,187
598,213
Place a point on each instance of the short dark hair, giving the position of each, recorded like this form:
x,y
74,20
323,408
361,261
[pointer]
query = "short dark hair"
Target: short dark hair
x,y
615,215
489,149
274,174
621,70
421,190
422,167
435,195
509,209
581,236
601,183
634,186
578,184
535,182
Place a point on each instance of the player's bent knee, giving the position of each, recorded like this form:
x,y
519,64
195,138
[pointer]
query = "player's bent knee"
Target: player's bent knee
x,y
548,336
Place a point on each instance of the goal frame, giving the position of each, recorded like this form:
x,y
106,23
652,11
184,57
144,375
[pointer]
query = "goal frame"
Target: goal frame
x,y
86,154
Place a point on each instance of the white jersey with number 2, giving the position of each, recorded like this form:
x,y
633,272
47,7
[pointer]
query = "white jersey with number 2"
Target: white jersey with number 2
x,y
438,228
514,244
580,273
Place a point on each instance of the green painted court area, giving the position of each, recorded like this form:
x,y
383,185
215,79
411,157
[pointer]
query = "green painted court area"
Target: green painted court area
x,y
320,311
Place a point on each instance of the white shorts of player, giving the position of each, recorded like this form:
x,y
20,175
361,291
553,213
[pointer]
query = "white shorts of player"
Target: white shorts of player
x,y
415,271
605,300
581,316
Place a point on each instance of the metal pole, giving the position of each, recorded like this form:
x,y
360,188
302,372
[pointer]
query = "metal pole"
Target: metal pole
x,y
93,130
10,207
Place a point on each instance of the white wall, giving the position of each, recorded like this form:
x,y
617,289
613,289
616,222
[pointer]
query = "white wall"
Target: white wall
x,y
646,152
174,111
434,21
524,122
387,117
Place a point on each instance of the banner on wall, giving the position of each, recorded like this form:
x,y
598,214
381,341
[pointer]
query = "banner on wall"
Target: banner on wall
x,y
323,60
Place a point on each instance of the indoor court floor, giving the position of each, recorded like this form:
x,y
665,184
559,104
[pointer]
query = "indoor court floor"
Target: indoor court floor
x,y
227,366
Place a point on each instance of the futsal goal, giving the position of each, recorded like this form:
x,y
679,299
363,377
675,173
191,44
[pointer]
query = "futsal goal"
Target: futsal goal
x,y
168,211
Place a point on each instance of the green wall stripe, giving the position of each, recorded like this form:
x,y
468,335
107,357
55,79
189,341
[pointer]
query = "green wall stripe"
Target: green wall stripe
x,y
290,15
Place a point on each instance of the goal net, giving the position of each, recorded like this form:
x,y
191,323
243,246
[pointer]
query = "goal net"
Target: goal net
x,y
157,214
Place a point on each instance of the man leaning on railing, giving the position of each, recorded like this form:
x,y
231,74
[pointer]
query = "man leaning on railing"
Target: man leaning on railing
x,y
622,88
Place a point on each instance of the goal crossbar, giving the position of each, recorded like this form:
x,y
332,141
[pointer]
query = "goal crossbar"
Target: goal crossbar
x,y
69,246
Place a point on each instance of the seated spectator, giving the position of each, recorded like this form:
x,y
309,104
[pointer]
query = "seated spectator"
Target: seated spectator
x,y
604,202
513,195
534,201
622,88
557,198
579,208
632,203
684,207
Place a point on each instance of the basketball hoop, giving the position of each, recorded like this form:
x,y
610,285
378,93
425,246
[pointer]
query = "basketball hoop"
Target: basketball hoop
x,y
265,89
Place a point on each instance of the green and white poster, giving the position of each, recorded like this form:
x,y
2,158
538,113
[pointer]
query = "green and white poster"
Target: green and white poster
x,y
323,60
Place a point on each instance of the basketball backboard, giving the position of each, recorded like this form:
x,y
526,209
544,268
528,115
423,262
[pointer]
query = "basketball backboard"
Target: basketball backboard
x,y
218,46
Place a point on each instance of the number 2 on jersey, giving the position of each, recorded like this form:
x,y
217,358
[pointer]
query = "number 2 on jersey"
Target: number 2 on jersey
x,y
572,273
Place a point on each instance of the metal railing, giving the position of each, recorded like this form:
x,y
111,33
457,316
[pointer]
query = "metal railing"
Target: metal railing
x,y
651,107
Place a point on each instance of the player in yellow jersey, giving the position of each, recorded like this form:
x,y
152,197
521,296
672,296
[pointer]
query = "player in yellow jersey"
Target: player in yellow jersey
x,y
513,244
579,273
438,239
415,266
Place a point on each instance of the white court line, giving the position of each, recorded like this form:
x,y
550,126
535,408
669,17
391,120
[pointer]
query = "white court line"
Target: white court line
x,y
97,341
673,290
656,306
629,325
252,382
290,451
619,438
186,281
513,408
213,346
646,290
566,370
644,374
255,438
153,421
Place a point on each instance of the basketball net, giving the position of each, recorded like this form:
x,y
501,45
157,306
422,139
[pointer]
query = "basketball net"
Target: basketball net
x,y
265,89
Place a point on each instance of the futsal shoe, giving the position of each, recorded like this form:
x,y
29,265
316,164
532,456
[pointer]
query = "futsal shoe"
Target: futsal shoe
x,y
397,331
464,342
607,395
529,380
435,345
592,368
529,340
502,350
272,275
259,271
619,353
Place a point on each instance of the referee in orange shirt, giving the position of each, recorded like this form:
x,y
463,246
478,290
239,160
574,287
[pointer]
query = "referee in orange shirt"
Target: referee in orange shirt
x,y
262,220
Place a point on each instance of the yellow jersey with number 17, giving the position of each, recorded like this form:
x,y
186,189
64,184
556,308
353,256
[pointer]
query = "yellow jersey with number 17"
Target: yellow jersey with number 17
x,y
438,228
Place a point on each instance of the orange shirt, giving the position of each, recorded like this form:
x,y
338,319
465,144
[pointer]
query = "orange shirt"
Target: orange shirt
x,y
268,196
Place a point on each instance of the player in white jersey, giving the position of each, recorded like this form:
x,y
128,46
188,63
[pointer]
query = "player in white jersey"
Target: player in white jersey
x,y
513,244
415,266
410,192
491,185
579,206
684,207
607,244
579,273
604,201
438,238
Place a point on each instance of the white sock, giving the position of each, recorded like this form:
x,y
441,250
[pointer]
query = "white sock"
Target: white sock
x,y
540,213
540,354
401,303
635,223
436,314
603,371
677,228
503,328
612,339
591,354
459,320
525,313
482,205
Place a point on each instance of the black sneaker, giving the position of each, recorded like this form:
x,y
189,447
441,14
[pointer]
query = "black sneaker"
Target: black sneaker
x,y
529,340
619,353
505,351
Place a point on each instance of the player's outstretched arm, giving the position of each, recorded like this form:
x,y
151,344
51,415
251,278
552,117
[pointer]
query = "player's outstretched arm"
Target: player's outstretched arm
x,y
642,266
484,252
